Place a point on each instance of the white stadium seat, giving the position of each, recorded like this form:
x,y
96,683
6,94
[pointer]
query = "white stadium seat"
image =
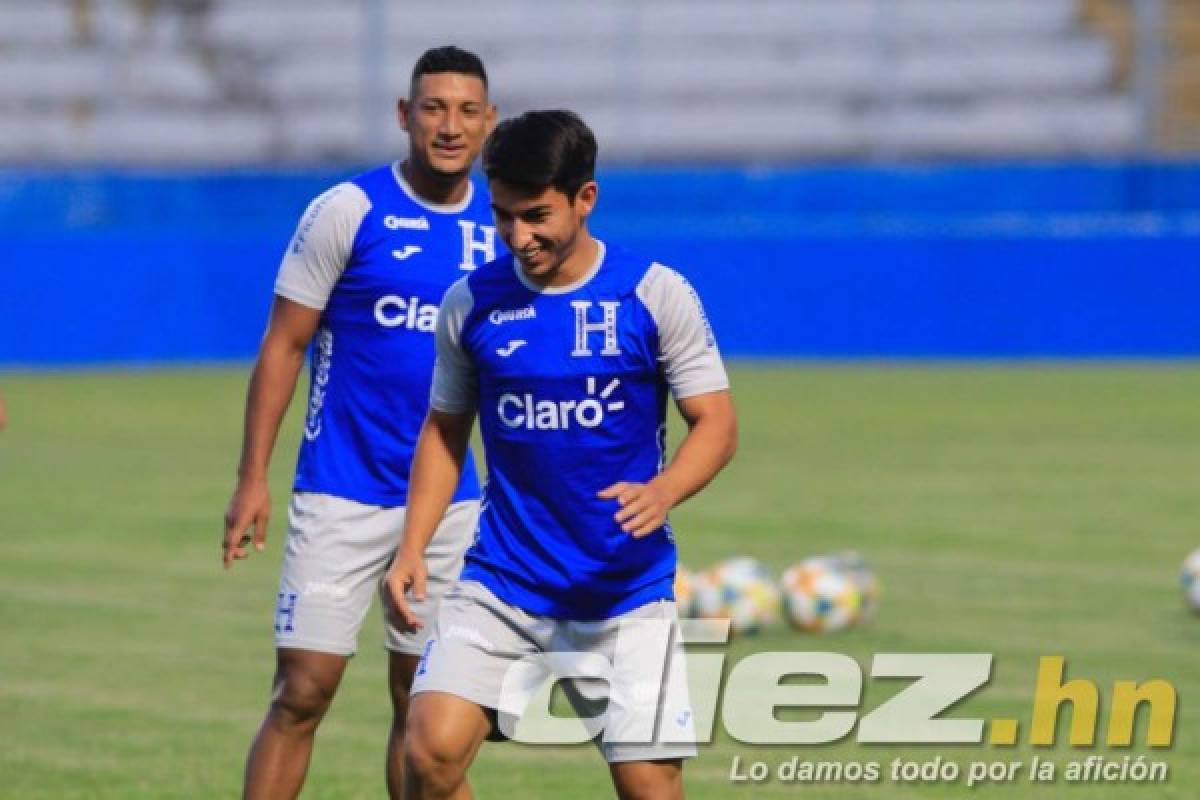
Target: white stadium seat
x,y
36,24
167,137
41,137
1098,126
168,76
43,78
1071,65
329,76
329,131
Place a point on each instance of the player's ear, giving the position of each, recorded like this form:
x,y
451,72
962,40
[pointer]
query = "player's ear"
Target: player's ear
x,y
490,117
585,198
402,113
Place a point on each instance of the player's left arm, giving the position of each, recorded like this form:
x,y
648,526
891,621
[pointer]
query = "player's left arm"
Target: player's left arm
x,y
691,366
709,445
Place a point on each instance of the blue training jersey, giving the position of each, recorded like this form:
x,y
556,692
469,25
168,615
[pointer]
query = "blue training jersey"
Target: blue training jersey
x,y
571,387
377,259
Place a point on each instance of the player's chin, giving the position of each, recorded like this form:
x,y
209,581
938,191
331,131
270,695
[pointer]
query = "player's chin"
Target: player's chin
x,y
540,263
450,165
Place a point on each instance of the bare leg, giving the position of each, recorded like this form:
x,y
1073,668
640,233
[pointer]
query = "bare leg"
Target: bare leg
x,y
648,780
401,668
305,682
443,736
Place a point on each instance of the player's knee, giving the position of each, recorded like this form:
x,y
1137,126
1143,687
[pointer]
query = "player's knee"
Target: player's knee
x,y
431,763
300,700
649,781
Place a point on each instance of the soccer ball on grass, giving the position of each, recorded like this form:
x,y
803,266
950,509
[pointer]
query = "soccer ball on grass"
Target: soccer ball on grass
x,y
740,590
818,598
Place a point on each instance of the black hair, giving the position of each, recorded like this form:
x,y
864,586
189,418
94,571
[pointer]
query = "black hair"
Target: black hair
x,y
447,59
540,150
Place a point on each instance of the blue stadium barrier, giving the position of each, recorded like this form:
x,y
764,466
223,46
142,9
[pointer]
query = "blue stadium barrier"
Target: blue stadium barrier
x,y
1001,261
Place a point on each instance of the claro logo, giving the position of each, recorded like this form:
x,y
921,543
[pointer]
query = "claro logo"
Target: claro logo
x,y
530,413
393,311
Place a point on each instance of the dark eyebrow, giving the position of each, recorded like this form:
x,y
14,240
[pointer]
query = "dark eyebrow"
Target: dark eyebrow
x,y
533,210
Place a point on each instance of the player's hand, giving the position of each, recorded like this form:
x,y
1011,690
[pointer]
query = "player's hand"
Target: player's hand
x,y
250,507
407,575
644,506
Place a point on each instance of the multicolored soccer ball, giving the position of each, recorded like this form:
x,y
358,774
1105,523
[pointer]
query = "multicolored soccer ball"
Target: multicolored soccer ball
x,y
855,566
742,569
819,598
740,590
1189,581
756,607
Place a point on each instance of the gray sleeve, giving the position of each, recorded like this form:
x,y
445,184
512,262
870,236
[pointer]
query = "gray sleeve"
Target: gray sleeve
x,y
455,387
321,245
687,348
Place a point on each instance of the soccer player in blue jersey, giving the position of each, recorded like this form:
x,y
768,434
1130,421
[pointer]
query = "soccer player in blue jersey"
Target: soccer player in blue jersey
x,y
361,281
567,350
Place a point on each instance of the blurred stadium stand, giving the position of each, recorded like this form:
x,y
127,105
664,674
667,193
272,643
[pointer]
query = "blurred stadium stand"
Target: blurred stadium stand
x,y
994,183
254,81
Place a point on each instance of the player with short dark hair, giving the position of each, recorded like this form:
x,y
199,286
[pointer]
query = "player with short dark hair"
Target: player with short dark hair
x,y
447,59
567,350
361,281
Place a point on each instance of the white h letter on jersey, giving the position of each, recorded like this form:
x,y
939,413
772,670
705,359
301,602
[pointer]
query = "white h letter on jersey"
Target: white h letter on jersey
x,y
583,328
470,245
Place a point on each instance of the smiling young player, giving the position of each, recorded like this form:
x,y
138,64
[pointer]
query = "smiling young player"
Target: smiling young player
x,y
361,280
567,350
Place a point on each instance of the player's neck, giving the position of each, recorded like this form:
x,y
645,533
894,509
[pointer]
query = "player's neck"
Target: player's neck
x,y
433,188
578,264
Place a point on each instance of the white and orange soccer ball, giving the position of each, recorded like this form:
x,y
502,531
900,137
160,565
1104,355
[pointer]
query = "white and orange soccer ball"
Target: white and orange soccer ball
x,y
741,569
1189,581
740,590
855,566
755,607
819,598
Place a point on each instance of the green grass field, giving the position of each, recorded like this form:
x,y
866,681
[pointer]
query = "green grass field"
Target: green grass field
x,y
1016,510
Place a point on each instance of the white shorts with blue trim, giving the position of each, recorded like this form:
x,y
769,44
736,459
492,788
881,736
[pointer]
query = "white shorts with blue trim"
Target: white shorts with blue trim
x,y
337,554
626,676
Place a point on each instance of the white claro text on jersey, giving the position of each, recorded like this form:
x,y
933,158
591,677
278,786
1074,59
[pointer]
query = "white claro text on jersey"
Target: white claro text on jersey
x,y
528,412
394,311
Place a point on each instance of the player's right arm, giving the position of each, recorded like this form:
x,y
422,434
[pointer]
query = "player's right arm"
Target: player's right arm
x,y
272,385
440,454
315,259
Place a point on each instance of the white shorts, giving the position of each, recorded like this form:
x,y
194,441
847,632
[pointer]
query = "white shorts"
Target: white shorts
x,y
499,657
338,552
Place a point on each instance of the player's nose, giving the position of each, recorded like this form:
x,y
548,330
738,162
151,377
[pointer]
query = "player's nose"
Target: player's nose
x,y
451,126
520,235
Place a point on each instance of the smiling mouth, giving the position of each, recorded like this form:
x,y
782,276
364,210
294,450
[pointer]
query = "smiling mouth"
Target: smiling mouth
x,y
529,256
